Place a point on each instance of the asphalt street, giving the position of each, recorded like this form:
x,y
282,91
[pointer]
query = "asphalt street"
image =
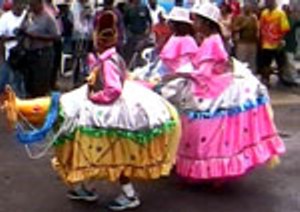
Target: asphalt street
x,y
32,186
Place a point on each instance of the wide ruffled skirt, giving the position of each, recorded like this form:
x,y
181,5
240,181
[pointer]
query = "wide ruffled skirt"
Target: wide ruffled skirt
x,y
226,136
137,136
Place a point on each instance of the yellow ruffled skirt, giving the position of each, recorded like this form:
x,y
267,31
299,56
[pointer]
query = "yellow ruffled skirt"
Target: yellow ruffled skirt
x,y
108,157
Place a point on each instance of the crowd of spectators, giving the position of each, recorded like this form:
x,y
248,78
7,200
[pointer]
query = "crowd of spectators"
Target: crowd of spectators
x,y
47,30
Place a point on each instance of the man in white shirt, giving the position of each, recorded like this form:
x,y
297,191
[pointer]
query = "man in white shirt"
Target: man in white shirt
x,y
155,9
10,21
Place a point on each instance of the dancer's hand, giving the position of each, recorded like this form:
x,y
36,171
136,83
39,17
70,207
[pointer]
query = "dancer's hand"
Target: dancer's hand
x,y
132,76
155,80
91,79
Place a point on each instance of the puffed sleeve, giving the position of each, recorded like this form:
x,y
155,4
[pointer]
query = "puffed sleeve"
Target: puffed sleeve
x,y
112,85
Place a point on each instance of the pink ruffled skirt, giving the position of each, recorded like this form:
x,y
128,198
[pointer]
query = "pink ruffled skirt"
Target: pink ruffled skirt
x,y
226,136
228,146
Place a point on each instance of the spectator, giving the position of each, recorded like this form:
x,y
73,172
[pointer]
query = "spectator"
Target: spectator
x,y
66,19
50,8
296,10
7,5
82,14
41,32
161,31
82,37
138,24
155,9
10,21
245,27
290,73
273,27
226,26
53,11
235,7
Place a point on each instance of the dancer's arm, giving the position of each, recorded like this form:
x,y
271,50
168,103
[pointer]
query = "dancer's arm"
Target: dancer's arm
x,y
112,85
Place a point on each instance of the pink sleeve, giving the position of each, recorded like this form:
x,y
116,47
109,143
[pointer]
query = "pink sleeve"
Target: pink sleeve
x,y
112,85
178,46
178,51
91,60
212,48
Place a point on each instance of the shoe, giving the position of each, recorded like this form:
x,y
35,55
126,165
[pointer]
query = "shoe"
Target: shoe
x,y
123,202
82,194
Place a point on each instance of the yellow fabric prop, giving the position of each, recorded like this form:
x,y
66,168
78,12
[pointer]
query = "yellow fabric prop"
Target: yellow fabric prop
x,y
33,110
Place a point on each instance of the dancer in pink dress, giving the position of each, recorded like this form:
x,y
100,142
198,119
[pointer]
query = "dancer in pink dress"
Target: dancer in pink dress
x,y
225,111
181,46
177,53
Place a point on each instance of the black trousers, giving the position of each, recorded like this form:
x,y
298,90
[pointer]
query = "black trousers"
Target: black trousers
x,y
265,58
38,71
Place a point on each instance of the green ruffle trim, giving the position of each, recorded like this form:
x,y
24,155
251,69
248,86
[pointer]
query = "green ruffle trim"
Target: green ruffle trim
x,y
142,137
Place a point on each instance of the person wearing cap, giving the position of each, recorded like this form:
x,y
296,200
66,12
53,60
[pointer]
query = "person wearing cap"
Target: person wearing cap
x,y
227,126
125,131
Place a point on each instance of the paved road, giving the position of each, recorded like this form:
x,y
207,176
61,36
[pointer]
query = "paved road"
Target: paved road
x,y
31,185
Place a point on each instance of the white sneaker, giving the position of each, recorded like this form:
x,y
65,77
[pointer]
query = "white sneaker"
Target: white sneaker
x,y
122,202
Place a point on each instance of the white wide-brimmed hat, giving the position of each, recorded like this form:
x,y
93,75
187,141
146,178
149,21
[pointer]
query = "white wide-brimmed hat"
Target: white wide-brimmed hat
x,y
179,14
208,10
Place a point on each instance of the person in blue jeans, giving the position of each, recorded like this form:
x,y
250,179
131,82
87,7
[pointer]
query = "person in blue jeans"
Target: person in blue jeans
x,y
10,21
11,77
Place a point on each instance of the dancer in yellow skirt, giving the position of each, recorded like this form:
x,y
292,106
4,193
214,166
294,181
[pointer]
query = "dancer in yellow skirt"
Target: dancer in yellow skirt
x,y
110,128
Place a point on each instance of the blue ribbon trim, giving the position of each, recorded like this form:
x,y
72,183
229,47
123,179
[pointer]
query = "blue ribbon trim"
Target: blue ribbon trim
x,y
29,137
221,112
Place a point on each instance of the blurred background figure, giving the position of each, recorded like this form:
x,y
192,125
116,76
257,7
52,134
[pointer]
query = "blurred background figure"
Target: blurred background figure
x,y
82,37
155,9
161,31
290,73
138,25
65,17
57,46
246,32
7,5
10,22
235,7
226,26
41,31
273,27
